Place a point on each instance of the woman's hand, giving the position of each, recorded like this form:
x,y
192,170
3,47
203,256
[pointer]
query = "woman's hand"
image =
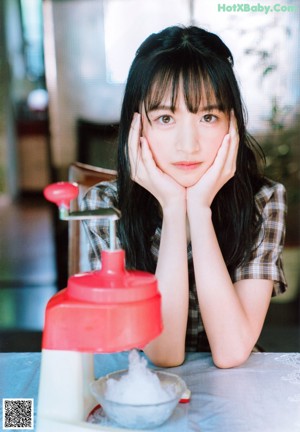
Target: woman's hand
x,y
146,173
222,170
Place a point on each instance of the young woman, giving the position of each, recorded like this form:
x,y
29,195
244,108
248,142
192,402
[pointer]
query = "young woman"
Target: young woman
x,y
196,208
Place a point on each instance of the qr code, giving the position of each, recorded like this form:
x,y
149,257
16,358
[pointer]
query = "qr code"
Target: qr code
x,y
18,414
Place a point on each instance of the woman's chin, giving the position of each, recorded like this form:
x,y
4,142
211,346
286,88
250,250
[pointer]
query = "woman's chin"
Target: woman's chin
x,y
187,182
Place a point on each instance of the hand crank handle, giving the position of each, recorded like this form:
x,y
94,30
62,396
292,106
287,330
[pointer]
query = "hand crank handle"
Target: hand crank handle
x,y
62,193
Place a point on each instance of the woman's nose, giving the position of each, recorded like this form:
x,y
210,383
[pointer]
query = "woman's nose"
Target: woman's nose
x,y
188,140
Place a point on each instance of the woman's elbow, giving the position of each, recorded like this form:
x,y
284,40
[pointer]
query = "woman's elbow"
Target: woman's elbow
x,y
230,360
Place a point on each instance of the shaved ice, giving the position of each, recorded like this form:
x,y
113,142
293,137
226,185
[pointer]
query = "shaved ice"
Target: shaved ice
x,y
140,386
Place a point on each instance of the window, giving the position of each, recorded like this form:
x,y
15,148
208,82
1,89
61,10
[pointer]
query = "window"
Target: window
x,y
128,22
32,29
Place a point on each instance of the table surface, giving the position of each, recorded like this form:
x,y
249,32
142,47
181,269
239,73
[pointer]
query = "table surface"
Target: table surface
x,y
262,395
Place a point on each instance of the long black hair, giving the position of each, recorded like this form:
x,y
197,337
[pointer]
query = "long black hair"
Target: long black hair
x,y
204,64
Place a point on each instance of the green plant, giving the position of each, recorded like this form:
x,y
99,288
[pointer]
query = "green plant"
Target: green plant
x,y
281,144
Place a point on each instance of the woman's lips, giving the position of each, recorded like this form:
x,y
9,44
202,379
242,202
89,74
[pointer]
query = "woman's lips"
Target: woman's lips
x,y
185,165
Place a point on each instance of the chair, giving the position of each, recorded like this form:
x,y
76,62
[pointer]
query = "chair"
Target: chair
x,y
97,142
85,176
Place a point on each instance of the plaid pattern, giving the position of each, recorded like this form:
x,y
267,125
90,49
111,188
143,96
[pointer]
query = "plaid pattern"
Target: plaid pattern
x,y
265,262
102,195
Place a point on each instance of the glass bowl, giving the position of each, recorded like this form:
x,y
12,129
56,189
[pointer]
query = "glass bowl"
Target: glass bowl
x,y
139,416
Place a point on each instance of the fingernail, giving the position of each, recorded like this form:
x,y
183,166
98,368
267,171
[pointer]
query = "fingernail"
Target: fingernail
x,y
136,116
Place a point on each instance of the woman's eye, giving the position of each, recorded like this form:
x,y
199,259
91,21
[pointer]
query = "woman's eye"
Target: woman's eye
x,y
165,119
209,118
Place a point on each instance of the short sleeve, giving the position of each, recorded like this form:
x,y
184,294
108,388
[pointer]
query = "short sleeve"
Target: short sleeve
x,y
103,194
266,258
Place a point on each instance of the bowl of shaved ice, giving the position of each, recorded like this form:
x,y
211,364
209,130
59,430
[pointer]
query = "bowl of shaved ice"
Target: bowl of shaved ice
x,y
138,398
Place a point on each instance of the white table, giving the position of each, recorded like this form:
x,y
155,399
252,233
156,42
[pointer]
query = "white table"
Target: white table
x,y
263,395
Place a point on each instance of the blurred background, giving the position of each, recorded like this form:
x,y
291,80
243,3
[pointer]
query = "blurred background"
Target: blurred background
x,y
63,69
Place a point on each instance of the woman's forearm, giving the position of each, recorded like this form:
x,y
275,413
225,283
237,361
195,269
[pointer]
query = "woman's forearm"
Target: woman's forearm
x,y
230,333
168,349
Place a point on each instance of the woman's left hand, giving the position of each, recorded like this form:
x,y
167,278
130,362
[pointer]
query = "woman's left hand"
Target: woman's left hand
x,y
222,170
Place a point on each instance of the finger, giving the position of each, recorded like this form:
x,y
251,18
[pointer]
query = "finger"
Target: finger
x,y
134,134
233,129
223,151
231,136
227,155
134,142
147,156
233,144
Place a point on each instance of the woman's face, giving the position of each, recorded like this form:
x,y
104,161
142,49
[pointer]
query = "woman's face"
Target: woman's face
x,y
184,145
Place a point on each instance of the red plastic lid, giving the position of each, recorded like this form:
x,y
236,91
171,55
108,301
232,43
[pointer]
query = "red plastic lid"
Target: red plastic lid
x,y
104,311
112,284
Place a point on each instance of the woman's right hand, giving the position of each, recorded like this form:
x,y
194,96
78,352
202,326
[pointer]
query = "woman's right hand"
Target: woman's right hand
x,y
146,173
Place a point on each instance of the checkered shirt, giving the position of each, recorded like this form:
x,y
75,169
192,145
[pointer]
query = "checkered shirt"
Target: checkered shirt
x,y
265,262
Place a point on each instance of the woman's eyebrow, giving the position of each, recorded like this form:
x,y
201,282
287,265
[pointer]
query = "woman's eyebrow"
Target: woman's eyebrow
x,y
164,107
211,107
161,107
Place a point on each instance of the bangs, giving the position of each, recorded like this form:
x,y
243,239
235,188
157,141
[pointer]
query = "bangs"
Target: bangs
x,y
203,83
